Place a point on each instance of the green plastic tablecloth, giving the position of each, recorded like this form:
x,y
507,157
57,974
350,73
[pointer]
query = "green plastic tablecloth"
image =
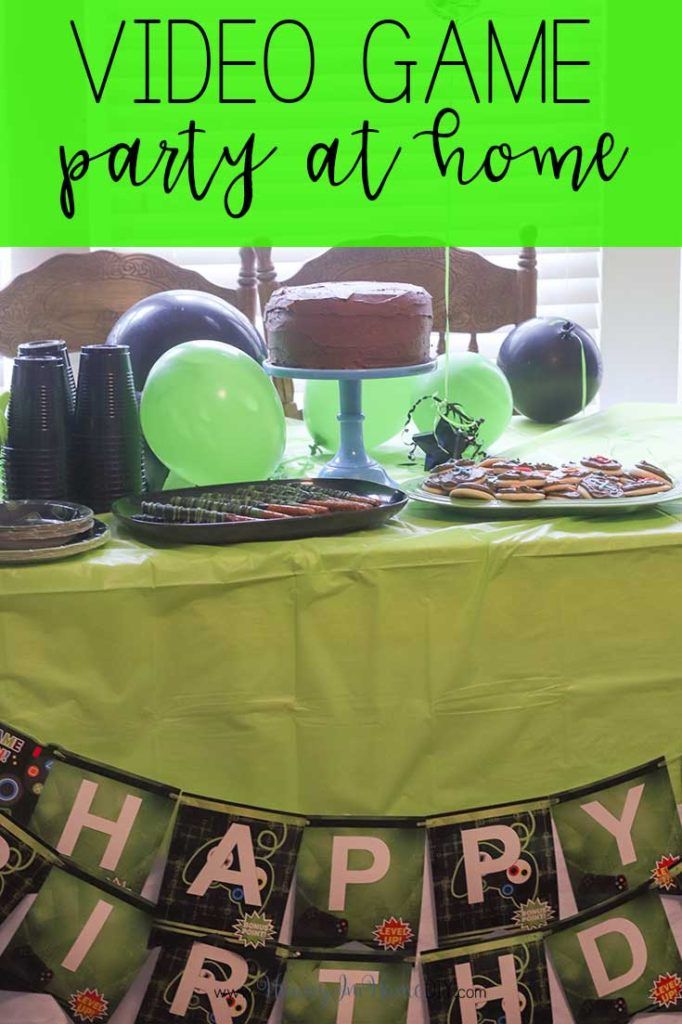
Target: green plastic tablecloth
x,y
433,664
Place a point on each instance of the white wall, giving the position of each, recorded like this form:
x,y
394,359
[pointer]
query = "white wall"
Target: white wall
x,y
640,324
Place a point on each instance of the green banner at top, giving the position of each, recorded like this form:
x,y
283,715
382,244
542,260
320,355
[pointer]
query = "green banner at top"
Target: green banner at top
x,y
449,121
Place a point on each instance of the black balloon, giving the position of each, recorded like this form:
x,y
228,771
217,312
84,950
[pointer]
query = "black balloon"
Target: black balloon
x,y
161,321
543,361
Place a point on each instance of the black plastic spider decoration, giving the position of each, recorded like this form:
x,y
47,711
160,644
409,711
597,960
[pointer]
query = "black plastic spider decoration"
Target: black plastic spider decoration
x,y
453,434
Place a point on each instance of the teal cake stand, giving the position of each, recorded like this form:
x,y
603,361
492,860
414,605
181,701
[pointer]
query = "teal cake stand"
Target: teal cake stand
x,y
351,460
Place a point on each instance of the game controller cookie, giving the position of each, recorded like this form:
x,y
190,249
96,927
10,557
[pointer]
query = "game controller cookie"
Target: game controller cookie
x,y
645,485
519,494
602,464
600,485
647,469
475,491
455,464
442,483
497,465
558,486
572,494
519,478
572,471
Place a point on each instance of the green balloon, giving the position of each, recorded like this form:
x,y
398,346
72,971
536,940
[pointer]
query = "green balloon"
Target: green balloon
x,y
4,402
174,482
385,404
212,415
477,385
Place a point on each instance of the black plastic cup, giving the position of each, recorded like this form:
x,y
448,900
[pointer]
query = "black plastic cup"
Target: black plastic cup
x,y
37,417
58,349
100,478
37,475
106,404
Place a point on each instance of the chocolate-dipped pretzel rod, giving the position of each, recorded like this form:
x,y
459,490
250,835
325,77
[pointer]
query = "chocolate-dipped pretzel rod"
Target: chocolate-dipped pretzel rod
x,y
174,513
254,500
221,503
321,497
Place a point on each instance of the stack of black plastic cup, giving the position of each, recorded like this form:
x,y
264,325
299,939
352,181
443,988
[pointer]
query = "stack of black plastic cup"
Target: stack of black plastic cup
x,y
59,349
107,439
36,455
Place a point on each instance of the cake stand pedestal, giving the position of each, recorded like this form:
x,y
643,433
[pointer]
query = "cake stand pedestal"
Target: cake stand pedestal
x,y
351,460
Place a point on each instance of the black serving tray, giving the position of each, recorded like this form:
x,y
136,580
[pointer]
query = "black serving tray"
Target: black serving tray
x,y
128,511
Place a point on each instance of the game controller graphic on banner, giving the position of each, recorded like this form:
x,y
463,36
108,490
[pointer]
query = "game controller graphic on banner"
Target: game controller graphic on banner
x,y
358,898
23,769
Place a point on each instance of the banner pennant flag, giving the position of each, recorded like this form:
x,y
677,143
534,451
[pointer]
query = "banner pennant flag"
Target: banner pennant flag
x,y
504,978
201,977
330,988
493,869
24,764
618,833
24,865
360,881
230,869
82,941
109,822
620,959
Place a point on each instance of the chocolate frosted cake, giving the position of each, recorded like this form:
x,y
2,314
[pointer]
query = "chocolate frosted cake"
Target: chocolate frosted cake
x,y
349,325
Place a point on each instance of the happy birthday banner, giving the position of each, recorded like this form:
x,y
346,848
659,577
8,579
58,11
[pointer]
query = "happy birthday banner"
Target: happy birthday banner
x,y
103,873
123,125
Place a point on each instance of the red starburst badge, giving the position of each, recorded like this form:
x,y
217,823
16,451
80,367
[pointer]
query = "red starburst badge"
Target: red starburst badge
x,y
661,873
666,990
393,933
88,1005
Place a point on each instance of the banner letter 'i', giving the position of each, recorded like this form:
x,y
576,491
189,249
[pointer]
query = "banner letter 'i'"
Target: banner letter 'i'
x,y
86,940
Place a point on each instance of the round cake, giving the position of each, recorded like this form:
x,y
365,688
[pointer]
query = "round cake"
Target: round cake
x,y
349,325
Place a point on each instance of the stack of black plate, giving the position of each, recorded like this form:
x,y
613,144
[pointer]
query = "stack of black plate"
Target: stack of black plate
x,y
107,440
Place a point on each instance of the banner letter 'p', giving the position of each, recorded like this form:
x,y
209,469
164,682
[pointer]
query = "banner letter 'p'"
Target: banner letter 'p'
x,y
80,817
218,866
472,996
347,980
342,875
197,979
477,867
588,939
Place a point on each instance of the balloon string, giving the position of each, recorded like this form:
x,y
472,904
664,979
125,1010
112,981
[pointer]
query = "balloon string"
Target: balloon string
x,y
447,323
583,374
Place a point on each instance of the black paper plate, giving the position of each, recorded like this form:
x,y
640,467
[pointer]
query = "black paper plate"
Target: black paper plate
x,y
128,511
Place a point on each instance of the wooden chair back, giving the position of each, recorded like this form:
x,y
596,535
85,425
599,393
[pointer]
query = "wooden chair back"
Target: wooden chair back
x,y
80,296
